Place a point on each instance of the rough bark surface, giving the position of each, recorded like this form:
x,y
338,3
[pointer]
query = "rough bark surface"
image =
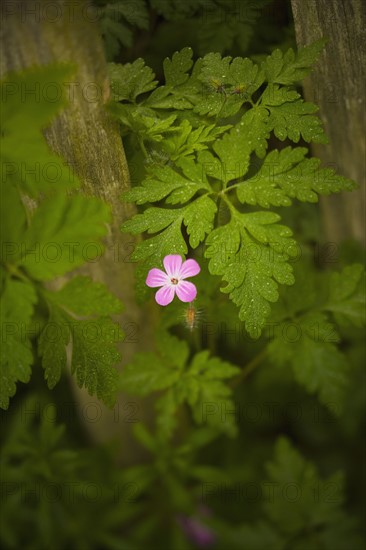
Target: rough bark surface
x,y
337,85
90,142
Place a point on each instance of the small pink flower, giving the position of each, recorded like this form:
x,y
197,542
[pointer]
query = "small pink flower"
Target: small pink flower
x,y
173,281
197,531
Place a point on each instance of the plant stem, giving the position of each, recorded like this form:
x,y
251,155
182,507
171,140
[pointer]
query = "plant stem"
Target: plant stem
x,y
232,187
14,270
143,148
195,340
250,367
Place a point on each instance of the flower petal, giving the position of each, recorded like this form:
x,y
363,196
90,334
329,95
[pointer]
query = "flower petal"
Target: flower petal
x,y
186,291
165,295
189,269
156,277
172,264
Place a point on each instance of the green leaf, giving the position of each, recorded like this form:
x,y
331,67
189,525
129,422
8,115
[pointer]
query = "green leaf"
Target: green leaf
x,y
306,294
93,341
13,225
167,183
117,19
207,394
292,67
152,220
186,141
136,14
216,103
17,303
83,296
64,233
130,80
250,253
94,356
147,374
306,506
237,75
150,372
291,117
52,343
176,69
143,122
152,251
197,216
229,26
347,296
172,349
166,408
235,148
178,98
30,100
309,347
200,384
287,174
155,128
115,34
182,91
300,509
227,84
26,105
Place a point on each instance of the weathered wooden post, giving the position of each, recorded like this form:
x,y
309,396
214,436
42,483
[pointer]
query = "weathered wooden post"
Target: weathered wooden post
x,y
337,85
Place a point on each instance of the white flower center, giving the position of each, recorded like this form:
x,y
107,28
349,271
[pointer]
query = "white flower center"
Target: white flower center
x,y
174,281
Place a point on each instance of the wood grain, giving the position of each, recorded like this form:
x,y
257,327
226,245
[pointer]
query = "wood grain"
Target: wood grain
x,y
337,85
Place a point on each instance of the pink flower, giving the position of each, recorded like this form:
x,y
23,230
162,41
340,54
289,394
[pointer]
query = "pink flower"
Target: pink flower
x,y
173,281
197,531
